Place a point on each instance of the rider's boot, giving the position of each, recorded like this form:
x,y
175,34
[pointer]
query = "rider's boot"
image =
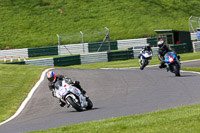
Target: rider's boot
x,y
162,65
61,103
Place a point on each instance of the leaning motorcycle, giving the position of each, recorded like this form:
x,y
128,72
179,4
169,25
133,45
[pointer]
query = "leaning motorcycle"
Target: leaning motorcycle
x,y
173,63
144,59
72,96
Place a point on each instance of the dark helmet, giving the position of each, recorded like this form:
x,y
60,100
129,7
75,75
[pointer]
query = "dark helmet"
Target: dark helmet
x,y
51,76
148,47
161,42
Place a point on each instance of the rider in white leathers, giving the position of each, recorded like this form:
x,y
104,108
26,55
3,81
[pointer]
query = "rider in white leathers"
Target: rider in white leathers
x,y
54,78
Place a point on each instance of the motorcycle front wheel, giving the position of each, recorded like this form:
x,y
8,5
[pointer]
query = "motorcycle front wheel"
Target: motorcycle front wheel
x,y
74,104
90,104
176,69
143,64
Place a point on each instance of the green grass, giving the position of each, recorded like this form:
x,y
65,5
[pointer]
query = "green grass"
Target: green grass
x,y
16,82
35,23
195,69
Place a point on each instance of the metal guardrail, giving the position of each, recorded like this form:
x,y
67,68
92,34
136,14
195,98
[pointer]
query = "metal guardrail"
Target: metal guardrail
x,y
193,36
94,57
73,49
40,62
196,47
15,53
125,44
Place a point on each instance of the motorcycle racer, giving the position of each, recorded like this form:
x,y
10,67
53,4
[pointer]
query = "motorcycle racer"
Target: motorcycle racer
x,y
147,48
53,78
163,49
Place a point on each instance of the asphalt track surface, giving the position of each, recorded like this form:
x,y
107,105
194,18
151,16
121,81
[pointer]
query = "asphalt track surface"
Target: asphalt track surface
x,y
113,92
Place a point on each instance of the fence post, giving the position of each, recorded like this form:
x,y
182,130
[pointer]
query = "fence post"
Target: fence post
x,y
58,44
82,41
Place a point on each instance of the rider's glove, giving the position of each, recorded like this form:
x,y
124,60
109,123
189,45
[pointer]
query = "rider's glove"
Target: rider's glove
x,y
76,82
68,80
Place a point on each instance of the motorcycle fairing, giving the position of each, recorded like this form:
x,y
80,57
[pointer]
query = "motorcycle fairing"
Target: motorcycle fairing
x,y
146,54
170,57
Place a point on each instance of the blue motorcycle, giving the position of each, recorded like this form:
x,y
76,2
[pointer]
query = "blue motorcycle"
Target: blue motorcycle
x,y
173,63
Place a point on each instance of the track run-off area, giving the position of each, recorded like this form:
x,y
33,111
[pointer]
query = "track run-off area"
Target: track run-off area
x,y
114,92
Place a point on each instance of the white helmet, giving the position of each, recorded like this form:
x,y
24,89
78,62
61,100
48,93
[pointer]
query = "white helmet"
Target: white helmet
x,y
161,43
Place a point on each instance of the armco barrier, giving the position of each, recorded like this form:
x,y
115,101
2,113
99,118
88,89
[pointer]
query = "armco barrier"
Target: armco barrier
x,y
196,46
43,51
102,46
73,49
15,53
40,62
125,44
67,60
94,57
120,55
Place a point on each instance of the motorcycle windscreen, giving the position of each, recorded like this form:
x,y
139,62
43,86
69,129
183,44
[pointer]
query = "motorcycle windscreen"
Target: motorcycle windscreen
x,y
146,54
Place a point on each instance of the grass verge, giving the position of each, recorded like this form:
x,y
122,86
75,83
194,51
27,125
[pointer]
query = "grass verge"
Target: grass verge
x,y
16,82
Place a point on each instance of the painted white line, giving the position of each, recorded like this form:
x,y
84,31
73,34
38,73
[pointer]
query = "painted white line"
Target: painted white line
x,y
27,98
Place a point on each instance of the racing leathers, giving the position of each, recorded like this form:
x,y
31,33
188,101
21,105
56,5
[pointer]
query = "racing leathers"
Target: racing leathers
x,y
69,81
161,53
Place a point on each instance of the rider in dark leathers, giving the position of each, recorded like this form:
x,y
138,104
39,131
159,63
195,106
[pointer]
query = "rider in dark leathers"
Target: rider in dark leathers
x,y
163,49
54,78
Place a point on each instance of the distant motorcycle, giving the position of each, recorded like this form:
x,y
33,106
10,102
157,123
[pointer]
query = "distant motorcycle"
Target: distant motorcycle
x,y
72,96
173,63
144,59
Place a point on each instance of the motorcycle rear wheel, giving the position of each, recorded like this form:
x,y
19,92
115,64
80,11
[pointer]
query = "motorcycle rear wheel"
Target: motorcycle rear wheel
x,y
74,104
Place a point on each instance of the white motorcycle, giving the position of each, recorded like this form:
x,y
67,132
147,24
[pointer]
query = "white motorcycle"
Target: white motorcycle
x,y
144,58
72,96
